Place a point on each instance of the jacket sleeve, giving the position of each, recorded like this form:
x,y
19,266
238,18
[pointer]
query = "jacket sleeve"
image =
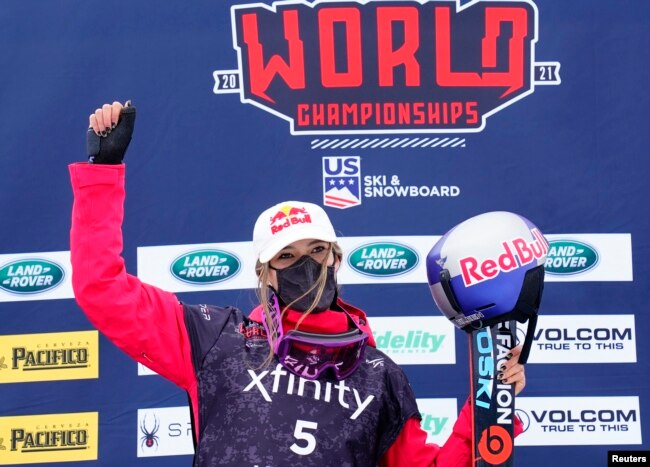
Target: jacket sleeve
x,y
145,322
456,452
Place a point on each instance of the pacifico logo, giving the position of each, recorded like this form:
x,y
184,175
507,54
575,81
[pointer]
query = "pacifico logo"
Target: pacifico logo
x,y
566,257
49,438
383,259
338,67
205,266
30,276
49,357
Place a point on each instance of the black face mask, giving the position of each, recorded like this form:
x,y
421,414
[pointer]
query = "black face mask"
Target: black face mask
x,y
298,278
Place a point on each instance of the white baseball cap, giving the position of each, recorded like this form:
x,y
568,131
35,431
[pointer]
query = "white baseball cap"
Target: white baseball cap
x,y
287,222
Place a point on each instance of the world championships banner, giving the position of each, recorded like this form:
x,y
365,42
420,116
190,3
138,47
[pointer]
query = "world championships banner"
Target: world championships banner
x,y
400,118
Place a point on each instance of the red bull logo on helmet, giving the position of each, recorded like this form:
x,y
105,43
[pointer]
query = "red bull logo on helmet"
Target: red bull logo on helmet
x,y
289,216
516,253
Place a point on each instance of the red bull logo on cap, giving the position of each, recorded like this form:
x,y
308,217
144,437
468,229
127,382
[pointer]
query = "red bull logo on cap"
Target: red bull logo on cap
x,y
516,253
288,216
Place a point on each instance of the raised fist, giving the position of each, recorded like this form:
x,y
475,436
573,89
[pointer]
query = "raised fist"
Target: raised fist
x,y
109,133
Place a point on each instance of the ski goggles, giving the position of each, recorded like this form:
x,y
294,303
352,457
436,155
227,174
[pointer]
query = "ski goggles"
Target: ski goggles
x,y
308,354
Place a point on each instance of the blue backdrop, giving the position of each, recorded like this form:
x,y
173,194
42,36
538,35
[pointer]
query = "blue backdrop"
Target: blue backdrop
x,y
566,148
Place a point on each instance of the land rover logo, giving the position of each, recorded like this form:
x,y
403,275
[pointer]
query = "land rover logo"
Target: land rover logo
x,y
205,266
383,259
30,276
570,257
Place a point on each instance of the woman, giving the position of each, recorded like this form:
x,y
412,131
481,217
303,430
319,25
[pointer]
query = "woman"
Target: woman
x,y
287,385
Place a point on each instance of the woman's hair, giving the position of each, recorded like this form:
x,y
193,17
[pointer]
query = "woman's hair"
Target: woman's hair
x,y
263,271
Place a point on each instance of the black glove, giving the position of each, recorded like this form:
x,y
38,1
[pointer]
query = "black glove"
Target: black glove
x,y
110,149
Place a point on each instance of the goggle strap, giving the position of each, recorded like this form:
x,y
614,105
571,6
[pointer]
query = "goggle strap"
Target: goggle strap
x,y
276,321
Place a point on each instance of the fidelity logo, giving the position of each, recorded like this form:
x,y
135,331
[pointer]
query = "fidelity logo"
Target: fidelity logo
x,y
329,67
416,340
49,438
205,266
438,418
30,276
49,357
383,259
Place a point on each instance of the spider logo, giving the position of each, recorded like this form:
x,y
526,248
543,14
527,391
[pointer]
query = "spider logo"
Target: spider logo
x,y
149,438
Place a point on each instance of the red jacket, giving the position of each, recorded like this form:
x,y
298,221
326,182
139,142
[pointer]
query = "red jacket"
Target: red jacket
x,y
147,323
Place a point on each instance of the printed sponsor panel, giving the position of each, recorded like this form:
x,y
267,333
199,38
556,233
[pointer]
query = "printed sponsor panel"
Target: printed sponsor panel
x,y
415,340
66,437
569,421
567,257
205,266
438,418
589,257
189,268
399,259
49,356
219,266
385,259
35,276
367,260
582,339
164,431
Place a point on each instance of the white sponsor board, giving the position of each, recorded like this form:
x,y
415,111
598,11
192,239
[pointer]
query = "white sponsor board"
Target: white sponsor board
x,y
582,339
613,252
415,340
156,267
572,421
381,254
155,263
35,276
164,431
438,418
